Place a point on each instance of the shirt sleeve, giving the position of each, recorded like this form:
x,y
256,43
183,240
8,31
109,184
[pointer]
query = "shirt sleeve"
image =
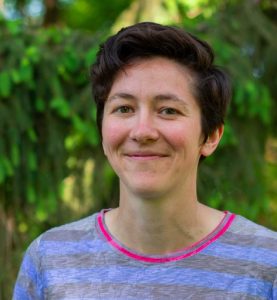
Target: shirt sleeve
x,y
29,285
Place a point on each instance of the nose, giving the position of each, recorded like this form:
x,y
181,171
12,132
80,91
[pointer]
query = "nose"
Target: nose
x,y
144,129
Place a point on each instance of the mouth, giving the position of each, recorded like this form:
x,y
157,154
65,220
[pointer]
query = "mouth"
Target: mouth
x,y
142,156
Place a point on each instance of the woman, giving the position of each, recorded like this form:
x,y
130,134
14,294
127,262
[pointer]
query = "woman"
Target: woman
x,y
160,109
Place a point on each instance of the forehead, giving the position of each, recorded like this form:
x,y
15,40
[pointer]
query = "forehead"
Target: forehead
x,y
157,73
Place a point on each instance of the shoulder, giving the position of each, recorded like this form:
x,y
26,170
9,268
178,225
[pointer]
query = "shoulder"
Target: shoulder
x,y
247,239
245,227
83,226
53,248
61,237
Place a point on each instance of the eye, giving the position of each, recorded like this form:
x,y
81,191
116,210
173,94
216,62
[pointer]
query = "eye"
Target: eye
x,y
124,109
168,111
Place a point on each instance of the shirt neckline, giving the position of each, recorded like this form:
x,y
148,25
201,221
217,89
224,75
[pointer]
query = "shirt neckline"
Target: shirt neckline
x,y
178,255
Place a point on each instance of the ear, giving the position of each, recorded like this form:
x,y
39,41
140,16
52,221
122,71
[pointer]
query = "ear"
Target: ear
x,y
212,142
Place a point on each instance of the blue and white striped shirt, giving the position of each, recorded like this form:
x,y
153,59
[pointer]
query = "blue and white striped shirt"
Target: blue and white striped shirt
x,y
81,260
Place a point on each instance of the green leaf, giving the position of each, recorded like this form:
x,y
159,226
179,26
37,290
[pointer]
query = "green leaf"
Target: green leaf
x,y
91,55
32,53
40,105
15,155
5,84
265,109
14,27
92,135
73,141
70,60
8,166
239,97
32,161
31,194
32,135
15,76
78,124
26,72
2,171
228,137
61,106
41,215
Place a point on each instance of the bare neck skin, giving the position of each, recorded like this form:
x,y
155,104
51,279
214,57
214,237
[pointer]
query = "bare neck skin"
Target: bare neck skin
x,y
162,225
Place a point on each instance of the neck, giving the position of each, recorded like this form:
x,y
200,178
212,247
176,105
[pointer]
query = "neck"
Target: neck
x,y
161,225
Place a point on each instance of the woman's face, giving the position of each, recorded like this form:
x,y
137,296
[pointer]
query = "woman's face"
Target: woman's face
x,y
152,128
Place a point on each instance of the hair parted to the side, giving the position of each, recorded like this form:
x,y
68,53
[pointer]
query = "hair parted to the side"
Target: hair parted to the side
x,y
211,89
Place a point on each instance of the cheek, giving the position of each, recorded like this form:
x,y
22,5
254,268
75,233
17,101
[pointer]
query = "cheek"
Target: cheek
x,y
113,134
177,135
177,139
183,137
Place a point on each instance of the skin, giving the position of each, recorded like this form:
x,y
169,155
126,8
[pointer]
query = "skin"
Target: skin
x,y
152,138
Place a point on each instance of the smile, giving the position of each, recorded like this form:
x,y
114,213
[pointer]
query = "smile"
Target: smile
x,y
145,156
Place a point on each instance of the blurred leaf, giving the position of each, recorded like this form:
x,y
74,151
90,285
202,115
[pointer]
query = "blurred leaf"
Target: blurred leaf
x,y
15,76
61,106
2,174
14,27
32,53
91,55
31,198
5,84
15,155
8,167
40,105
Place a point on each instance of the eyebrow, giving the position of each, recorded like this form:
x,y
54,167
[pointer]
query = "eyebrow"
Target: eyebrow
x,y
158,98
122,96
171,97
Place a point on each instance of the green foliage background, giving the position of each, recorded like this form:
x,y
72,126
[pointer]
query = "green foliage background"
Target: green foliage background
x,y
52,169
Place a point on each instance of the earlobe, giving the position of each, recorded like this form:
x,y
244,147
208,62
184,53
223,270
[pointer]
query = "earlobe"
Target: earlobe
x,y
212,142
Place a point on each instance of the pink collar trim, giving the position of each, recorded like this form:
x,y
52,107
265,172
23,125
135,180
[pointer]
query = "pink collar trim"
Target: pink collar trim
x,y
184,253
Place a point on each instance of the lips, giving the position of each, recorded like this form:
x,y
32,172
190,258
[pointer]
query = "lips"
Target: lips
x,y
145,155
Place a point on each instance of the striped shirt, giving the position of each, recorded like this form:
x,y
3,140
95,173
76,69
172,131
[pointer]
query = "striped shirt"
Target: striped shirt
x,y
81,260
